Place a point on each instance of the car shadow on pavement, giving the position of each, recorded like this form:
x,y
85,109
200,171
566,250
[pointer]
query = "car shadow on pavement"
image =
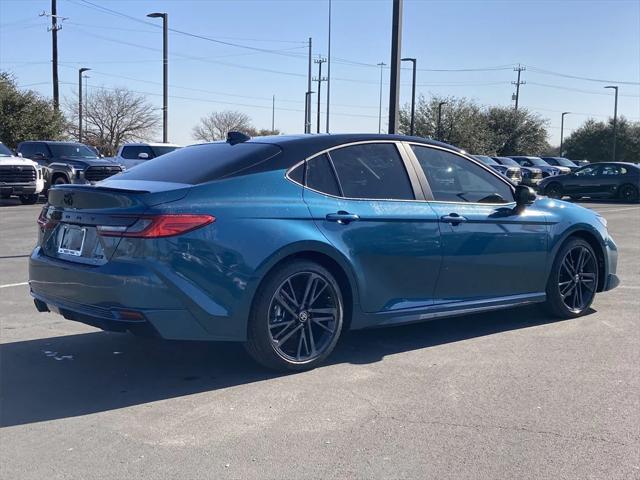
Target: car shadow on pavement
x,y
68,376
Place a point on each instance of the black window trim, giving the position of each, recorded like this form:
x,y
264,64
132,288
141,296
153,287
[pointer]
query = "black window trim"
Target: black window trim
x,y
402,152
427,188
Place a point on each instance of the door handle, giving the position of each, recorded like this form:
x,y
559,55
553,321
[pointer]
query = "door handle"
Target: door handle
x,y
342,217
453,218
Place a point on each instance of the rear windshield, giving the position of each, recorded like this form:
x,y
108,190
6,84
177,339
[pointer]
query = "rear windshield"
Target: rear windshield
x,y
485,159
201,163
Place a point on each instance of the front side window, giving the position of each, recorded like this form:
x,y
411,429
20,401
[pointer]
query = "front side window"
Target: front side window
x,y
611,170
453,178
372,171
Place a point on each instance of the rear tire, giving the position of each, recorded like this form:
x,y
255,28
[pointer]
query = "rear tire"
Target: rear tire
x,y
296,318
29,199
628,193
573,280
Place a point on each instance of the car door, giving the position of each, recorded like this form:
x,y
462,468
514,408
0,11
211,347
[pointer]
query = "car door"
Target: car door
x,y
490,248
584,181
609,180
370,208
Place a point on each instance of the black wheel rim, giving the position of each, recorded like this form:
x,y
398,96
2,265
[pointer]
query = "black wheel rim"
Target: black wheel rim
x,y
628,193
304,316
553,192
578,278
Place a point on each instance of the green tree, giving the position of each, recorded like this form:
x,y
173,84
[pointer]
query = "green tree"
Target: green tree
x,y
514,132
593,141
26,115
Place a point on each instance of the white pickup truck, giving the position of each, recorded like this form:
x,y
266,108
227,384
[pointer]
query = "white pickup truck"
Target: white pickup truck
x,y
132,154
20,177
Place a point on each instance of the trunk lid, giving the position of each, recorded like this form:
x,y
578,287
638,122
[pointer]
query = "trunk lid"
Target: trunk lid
x,y
69,221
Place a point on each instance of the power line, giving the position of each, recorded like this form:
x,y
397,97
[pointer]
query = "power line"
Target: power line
x,y
578,77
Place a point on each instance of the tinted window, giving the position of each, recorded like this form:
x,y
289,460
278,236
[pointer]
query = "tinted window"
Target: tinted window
x,y
161,150
590,171
4,151
132,152
372,171
297,174
320,176
613,170
455,179
202,163
29,150
72,150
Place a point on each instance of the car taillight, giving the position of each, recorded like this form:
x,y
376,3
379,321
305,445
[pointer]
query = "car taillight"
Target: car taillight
x,y
157,226
44,221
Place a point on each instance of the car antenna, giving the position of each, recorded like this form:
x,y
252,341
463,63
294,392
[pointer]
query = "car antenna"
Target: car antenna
x,y
237,137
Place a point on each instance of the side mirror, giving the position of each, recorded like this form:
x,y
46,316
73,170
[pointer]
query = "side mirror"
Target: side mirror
x,y
524,195
143,156
20,154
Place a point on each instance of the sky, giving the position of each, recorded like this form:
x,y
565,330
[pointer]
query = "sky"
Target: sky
x,y
255,49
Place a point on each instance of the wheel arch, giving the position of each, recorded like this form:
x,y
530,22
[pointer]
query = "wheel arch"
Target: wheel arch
x,y
593,239
326,256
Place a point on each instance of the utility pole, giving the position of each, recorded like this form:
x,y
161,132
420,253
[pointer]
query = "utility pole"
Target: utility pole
x,y
517,83
413,94
562,130
615,120
381,65
328,68
80,72
165,73
319,79
438,128
307,95
273,114
54,50
394,84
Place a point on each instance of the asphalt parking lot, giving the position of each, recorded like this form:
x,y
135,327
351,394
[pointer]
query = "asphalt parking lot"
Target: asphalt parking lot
x,y
500,395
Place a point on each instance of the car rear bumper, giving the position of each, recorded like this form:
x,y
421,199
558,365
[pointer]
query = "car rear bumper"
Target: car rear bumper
x,y
123,296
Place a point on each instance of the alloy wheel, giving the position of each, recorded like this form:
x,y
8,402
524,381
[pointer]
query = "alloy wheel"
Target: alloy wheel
x,y
578,278
553,191
304,316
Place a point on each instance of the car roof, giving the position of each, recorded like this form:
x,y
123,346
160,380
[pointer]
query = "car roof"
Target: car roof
x,y
150,144
58,142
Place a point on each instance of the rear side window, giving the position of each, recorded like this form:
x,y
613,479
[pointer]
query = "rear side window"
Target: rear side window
x,y
202,163
132,152
372,170
320,176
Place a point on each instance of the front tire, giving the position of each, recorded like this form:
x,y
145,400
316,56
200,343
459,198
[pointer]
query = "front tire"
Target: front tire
x,y
629,193
573,280
553,190
29,199
296,318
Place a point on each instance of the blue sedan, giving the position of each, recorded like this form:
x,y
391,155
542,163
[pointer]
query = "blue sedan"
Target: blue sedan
x,y
284,242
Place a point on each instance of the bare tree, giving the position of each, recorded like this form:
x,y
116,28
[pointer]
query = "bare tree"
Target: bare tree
x,y
216,125
113,117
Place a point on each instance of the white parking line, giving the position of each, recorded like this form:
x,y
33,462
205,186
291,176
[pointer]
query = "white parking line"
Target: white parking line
x,y
14,284
605,210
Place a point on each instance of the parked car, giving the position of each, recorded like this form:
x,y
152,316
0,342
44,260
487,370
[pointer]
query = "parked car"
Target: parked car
x,y
283,242
581,163
68,162
133,154
531,176
603,180
19,177
513,173
561,162
547,170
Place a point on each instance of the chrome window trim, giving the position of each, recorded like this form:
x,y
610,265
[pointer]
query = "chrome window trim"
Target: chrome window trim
x,y
401,153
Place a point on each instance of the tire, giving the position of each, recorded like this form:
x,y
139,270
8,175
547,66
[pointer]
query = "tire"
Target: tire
x,y
284,333
553,190
60,180
573,280
29,199
628,193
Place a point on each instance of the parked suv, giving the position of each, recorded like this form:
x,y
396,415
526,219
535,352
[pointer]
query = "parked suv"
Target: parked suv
x,y
20,177
132,154
561,162
531,176
547,170
68,162
513,173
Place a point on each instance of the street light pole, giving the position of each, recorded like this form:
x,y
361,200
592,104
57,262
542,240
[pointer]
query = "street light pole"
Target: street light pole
x,y
329,68
165,73
562,131
615,120
80,72
394,83
438,134
413,94
381,65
